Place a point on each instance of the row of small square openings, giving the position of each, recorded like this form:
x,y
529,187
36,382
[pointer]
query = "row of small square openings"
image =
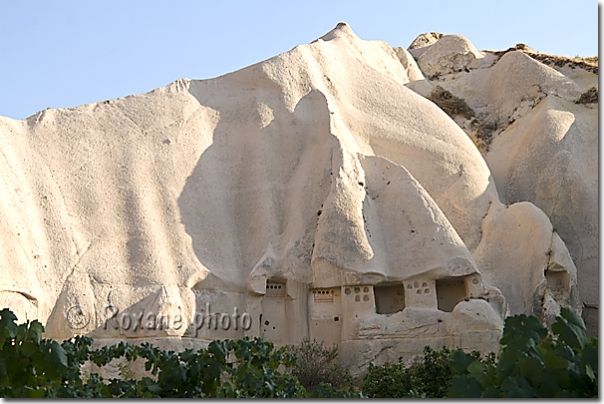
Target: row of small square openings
x,y
322,292
323,296
274,289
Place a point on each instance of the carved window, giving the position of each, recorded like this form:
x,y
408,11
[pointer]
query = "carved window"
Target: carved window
x,y
389,298
449,292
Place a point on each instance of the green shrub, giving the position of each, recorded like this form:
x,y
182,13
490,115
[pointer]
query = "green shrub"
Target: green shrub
x,y
326,390
428,377
316,364
532,362
31,366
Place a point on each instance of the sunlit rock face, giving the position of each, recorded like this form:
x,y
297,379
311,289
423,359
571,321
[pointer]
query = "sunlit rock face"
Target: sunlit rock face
x,y
539,137
315,194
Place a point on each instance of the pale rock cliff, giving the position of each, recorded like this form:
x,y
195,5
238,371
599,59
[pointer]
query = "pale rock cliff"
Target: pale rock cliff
x,y
316,194
529,118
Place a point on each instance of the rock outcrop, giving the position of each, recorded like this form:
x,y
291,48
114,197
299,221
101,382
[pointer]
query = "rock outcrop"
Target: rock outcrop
x,y
316,194
536,124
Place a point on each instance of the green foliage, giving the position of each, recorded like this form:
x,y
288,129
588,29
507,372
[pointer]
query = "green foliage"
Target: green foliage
x,y
532,362
429,377
125,372
316,364
325,390
31,366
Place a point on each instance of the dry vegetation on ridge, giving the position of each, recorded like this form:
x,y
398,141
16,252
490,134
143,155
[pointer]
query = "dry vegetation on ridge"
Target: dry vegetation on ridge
x,y
455,106
590,64
451,104
588,97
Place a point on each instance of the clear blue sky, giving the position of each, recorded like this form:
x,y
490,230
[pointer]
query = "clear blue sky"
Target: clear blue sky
x,y
63,53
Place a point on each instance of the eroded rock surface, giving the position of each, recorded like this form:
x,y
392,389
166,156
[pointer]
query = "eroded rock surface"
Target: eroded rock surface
x,y
310,195
535,121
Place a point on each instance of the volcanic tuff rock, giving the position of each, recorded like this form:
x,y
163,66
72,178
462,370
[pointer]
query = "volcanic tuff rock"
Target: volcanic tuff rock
x,y
538,136
319,193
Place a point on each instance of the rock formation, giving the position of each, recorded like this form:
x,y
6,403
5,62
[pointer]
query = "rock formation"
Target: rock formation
x,y
316,194
534,118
